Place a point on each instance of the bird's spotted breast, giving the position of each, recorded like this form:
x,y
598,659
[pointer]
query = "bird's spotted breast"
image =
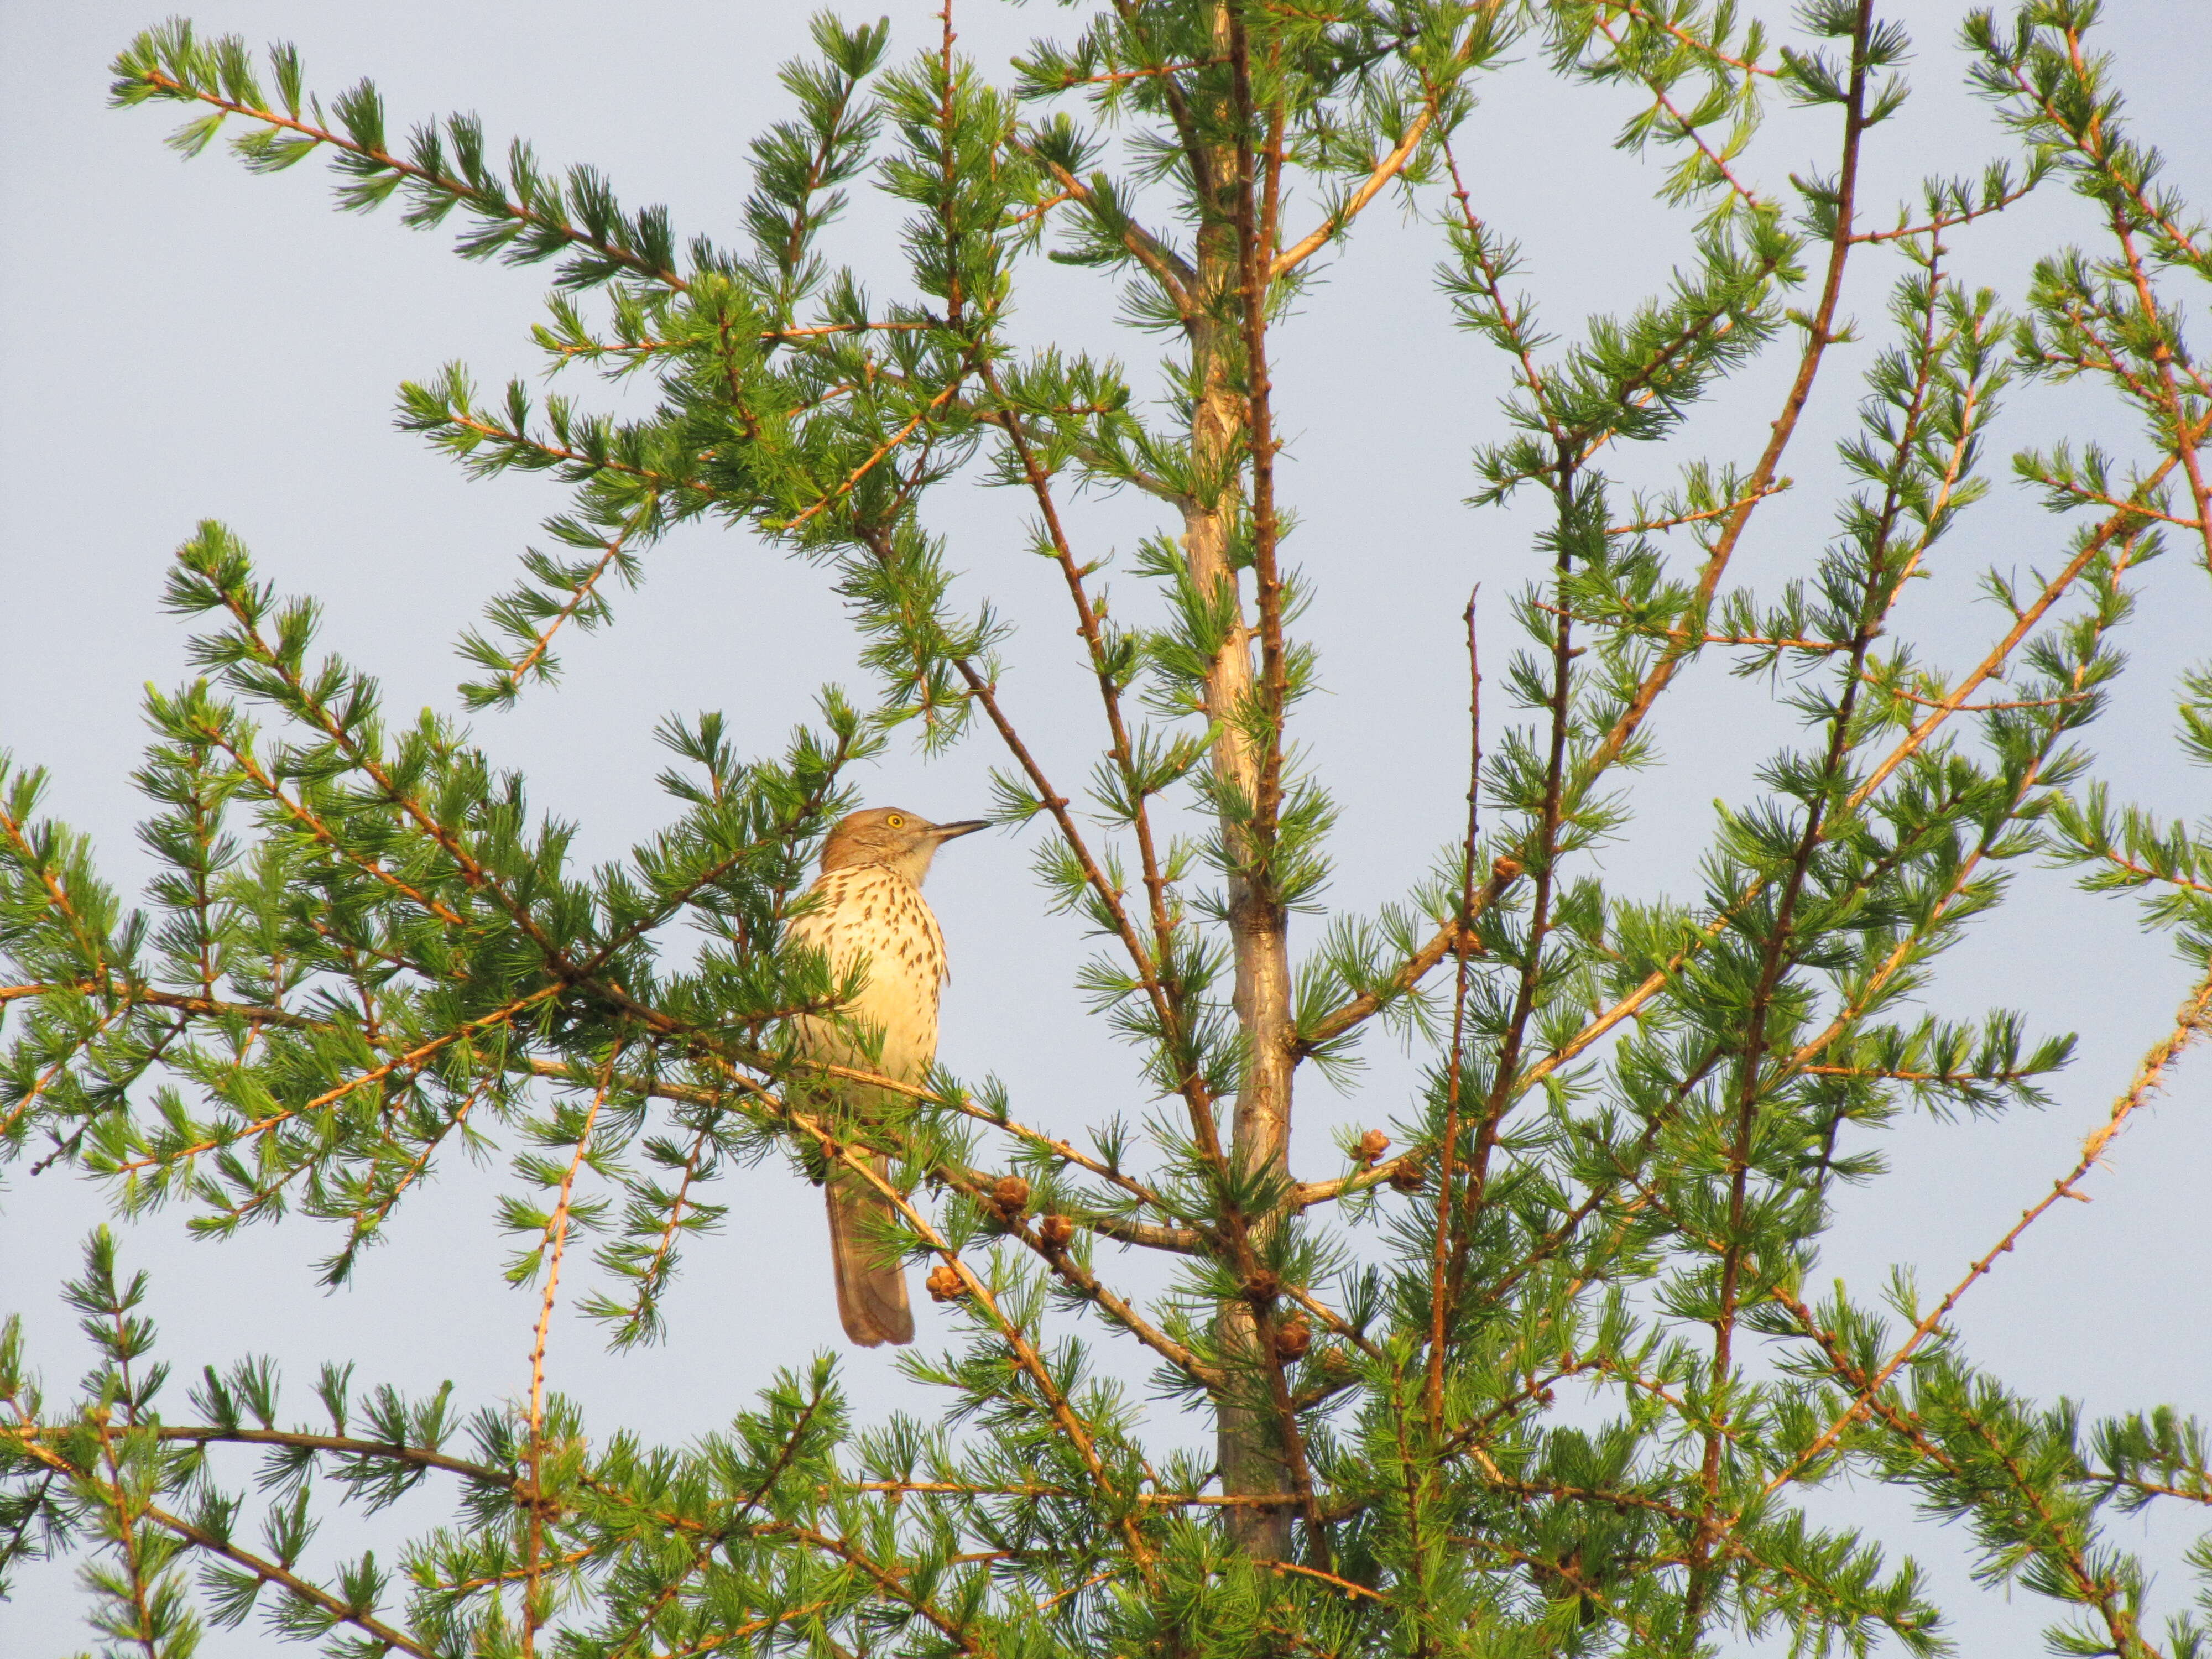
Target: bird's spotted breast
x,y
873,914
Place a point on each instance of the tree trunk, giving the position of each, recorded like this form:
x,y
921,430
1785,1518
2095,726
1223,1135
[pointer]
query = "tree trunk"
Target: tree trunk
x,y
1250,1439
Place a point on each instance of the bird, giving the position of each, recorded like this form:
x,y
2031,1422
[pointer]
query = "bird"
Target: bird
x,y
867,911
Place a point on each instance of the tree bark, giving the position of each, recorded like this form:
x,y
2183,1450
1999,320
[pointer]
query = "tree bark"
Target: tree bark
x,y
1250,1432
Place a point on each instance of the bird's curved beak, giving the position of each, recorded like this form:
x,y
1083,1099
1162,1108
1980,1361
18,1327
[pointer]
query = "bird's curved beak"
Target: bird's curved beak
x,y
965,827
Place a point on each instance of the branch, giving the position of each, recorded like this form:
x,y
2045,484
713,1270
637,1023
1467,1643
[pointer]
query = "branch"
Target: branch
x,y
491,206
1416,968
343,1445
1943,221
146,995
267,1571
1168,268
1391,165
2194,1021
2125,521
1820,335
411,1058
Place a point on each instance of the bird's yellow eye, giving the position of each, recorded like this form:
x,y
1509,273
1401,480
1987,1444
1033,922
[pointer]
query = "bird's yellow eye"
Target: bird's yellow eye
x,y
895,822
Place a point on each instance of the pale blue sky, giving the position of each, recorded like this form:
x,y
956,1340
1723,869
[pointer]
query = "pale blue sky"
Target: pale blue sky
x,y
187,342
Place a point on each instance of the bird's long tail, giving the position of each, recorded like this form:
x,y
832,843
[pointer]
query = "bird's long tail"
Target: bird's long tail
x,y
870,1281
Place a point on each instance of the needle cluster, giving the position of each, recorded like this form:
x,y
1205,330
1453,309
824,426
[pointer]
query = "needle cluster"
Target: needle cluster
x,y
1534,1368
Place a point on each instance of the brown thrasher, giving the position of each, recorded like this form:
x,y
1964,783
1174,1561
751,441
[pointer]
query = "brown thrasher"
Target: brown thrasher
x,y
869,912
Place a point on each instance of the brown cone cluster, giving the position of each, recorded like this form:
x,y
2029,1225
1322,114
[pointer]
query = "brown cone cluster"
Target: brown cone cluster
x,y
944,1285
1010,1197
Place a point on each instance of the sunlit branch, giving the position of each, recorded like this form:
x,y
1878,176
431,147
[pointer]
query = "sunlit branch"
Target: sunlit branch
x,y
578,596
1409,974
1684,127
1647,526
1479,21
147,996
409,1061
1122,753
1167,268
1821,333
2120,525
1943,221
300,1440
268,1572
1011,1332
442,183
2192,1022
1758,641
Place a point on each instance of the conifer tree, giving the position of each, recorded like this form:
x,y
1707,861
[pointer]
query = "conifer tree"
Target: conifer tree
x,y
366,953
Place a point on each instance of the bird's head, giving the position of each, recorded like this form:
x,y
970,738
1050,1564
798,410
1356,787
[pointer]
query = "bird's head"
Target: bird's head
x,y
892,836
